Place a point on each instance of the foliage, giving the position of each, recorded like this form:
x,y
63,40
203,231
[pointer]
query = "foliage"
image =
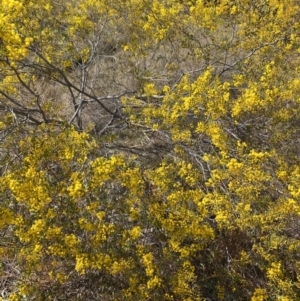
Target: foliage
x,y
150,150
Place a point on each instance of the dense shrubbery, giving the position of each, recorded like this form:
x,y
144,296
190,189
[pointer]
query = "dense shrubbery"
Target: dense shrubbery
x,y
150,150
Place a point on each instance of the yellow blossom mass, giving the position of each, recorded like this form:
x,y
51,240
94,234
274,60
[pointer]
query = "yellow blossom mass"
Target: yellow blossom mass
x,y
149,150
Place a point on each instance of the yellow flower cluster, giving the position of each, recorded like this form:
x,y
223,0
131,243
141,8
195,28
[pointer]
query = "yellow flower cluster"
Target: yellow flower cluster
x,y
6,217
259,295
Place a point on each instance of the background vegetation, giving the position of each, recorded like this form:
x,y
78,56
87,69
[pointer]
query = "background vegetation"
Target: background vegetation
x,y
150,150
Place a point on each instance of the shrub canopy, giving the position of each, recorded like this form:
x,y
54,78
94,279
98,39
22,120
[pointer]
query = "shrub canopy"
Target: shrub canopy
x,y
150,150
